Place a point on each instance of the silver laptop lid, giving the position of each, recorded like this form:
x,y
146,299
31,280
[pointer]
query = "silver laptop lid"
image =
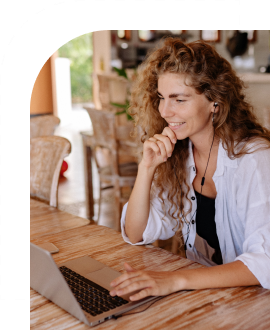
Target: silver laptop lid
x,y
46,279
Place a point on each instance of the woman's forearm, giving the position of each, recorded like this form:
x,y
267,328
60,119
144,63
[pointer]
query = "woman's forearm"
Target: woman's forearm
x,y
228,275
150,283
139,204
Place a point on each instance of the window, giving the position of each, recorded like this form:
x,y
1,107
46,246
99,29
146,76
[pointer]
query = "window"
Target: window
x,y
176,32
210,35
147,35
124,34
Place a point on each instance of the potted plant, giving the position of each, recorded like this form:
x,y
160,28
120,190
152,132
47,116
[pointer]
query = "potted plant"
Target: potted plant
x,y
125,106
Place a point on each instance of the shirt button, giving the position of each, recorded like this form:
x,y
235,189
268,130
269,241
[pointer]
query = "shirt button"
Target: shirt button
x,y
194,169
193,221
190,245
193,198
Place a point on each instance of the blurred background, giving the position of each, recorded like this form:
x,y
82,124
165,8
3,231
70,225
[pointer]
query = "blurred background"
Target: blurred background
x,y
72,79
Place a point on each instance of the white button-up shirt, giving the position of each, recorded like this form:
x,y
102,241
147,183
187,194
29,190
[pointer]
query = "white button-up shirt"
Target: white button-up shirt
x,y
242,213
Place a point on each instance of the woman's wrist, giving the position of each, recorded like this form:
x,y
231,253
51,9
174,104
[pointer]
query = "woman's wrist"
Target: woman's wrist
x,y
180,281
147,170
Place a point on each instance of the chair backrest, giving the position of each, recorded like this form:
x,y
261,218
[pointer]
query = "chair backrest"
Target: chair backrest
x,y
104,136
46,158
112,89
109,134
104,127
43,125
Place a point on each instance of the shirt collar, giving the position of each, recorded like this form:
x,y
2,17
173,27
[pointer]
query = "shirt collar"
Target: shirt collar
x,y
190,160
222,160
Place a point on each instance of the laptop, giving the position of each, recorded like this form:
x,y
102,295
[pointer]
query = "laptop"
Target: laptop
x,y
80,286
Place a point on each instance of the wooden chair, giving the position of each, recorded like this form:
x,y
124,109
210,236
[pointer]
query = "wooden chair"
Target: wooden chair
x,y
112,89
46,158
43,125
116,140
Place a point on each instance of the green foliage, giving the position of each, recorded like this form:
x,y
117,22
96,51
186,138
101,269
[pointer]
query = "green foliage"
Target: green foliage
x,y
125,109
80,52
122,73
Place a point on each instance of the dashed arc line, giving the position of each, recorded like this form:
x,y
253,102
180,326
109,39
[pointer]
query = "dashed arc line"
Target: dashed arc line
x,y
59,3
23,24
41,10
62,2
2,62
10,41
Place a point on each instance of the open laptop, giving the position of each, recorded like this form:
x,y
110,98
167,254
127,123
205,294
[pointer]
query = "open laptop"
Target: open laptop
x,y
80,286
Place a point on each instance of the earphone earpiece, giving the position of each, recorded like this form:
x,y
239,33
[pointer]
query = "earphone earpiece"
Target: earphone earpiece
x,y
215,105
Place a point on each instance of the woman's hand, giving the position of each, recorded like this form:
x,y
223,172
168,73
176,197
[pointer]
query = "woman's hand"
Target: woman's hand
x,y
158,148
148,282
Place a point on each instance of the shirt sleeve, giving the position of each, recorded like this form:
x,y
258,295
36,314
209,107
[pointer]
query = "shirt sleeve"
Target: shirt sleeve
x,y
255,207
159,226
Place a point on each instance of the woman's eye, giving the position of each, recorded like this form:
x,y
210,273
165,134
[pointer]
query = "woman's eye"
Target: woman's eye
x,y
180,101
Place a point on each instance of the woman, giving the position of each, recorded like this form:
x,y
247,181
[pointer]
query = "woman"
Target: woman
x,y
204,173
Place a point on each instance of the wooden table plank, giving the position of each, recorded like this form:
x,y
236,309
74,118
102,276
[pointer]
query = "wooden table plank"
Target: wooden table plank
x,y
47,220
107,245
231,308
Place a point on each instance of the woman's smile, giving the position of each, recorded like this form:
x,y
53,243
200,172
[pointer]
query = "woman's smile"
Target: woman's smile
x,y
175,126
187,113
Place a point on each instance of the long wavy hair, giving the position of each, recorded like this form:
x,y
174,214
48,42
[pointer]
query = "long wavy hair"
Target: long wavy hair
x,y
211,75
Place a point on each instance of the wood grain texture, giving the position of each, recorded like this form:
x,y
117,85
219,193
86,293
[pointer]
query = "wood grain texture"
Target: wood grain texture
x,y
231,308
46,220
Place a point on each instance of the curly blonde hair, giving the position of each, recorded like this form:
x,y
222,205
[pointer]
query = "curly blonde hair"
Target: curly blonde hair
x,y
211,75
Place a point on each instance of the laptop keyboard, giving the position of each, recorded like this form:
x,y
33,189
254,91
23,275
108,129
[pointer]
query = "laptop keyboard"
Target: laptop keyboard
x,y
93,298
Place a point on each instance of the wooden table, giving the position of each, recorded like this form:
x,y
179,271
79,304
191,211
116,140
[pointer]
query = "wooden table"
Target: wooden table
x,y
47,220
233,308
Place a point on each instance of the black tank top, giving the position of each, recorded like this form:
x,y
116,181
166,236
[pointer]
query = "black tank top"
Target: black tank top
x,y
206,225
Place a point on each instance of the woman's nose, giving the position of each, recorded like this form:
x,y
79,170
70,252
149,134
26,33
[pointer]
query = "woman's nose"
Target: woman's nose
x,y
165,109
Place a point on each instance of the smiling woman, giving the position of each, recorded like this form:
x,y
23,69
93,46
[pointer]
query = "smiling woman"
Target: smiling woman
x,y
204,174
186,112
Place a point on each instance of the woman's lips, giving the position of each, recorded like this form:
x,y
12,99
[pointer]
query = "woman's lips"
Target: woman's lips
x,y
175,126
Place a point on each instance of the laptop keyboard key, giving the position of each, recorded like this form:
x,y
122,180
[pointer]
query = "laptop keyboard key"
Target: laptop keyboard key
x,y
93,298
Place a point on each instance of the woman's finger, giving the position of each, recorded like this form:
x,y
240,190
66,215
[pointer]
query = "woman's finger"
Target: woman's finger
x,y
163,150
168,145
142,294
133,286
151,143
128,268
124,277
170,134
139,276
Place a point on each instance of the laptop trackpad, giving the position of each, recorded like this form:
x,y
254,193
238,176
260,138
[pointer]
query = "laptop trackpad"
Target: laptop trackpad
x,y
103,277
83,265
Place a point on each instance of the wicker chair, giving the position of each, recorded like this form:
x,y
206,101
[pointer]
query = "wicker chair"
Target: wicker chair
x,y
46,158
43,125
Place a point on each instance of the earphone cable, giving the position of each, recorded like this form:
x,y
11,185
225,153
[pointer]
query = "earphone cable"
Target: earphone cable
x,y
203,178
117,316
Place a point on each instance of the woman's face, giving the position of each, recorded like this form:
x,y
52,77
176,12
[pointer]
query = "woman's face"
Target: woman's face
x,y
187,113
